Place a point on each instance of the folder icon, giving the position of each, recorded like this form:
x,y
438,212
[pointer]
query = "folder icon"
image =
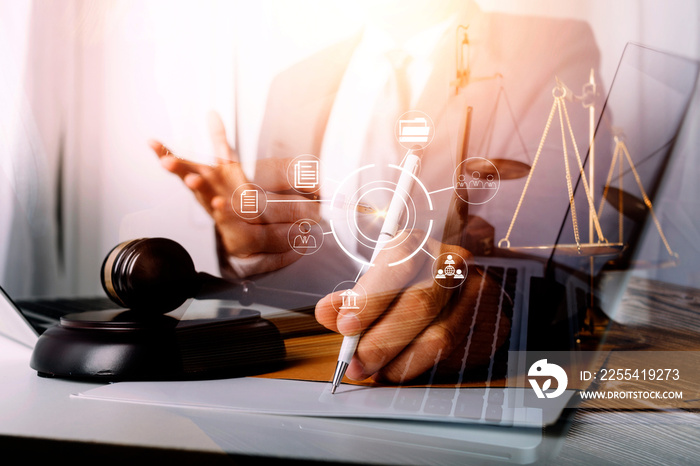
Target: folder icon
x,y
415,130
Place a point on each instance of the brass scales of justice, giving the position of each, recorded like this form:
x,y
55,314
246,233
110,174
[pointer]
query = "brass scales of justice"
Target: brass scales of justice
x,y
506,168
598,244
625,203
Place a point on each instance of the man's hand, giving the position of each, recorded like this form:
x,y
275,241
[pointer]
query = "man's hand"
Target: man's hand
x,y
409,322
255,245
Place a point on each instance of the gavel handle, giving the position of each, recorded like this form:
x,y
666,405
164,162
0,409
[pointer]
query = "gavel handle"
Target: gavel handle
x,y
248,292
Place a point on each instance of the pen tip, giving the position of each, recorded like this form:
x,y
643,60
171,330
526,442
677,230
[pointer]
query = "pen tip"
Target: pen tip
x,y
333,389
365,208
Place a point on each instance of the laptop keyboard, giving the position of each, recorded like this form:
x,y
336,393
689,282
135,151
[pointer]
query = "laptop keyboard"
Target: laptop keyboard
x,y
44,313
489,402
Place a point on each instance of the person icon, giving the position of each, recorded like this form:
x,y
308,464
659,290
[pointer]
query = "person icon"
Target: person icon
x,y
449,266
476,181
305,237
459,274
304,240
490,183
440,274
461,181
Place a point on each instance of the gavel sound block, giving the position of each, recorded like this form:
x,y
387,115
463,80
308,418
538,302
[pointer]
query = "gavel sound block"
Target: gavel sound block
x,y
153,277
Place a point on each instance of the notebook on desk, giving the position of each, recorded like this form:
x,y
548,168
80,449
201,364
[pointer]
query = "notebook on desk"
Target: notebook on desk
x,y
648,98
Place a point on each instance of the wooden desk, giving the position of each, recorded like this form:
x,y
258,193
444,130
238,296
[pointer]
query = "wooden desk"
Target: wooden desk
x,y
654,317
39,420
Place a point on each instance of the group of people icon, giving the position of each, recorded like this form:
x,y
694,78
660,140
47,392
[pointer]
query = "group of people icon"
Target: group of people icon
x,y
476,182
449,270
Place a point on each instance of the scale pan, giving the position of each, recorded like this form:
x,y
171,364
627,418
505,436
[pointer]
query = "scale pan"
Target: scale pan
x,y
583,250
507,169
632,206
645,264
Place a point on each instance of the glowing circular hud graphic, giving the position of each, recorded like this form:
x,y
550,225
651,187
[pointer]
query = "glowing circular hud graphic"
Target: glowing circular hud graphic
x,y
352,228
373,194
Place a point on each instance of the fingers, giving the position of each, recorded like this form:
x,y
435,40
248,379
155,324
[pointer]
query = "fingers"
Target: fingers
x,y
260,244
406,328
243,238
262,263
443,337
277,175
417,318
281,208
383,285
377,289
222,150
272,174
407,317
172,163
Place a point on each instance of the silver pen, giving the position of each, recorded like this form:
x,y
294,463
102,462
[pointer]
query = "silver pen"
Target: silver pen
x,y
409,168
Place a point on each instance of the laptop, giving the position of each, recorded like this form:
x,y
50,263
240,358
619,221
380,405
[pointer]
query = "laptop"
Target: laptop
x,y
646,104
549,291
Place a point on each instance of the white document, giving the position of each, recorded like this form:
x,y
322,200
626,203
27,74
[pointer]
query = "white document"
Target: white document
x,y
249,201
306,174
300,398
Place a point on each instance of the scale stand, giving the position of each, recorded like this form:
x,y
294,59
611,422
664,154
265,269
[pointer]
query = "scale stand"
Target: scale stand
x,y
504,168
463,61
620,154
592,248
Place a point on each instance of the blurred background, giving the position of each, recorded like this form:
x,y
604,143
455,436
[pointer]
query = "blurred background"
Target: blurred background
x,y
84,84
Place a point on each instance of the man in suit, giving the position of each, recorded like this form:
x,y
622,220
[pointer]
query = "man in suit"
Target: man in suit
x,y
329,106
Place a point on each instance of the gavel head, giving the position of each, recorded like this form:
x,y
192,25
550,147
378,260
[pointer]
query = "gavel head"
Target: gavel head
x,y
151,275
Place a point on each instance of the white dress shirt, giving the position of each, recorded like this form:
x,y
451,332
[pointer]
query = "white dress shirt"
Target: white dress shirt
x,y
364,80
351,120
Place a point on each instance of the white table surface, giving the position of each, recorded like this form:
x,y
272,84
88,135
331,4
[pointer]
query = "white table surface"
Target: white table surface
x,y
33,407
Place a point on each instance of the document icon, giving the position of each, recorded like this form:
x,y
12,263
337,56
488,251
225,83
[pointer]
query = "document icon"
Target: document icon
x,y
415,130
306,174
249,201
